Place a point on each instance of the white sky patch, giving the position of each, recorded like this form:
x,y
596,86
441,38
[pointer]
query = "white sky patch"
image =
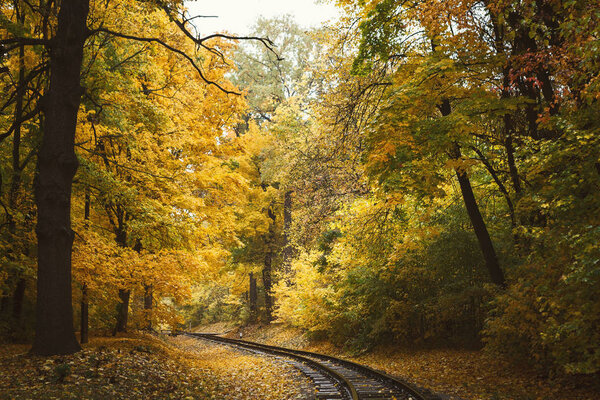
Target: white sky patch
x,y
238,16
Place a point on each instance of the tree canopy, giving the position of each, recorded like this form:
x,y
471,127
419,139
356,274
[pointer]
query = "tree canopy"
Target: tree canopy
x,y
418,172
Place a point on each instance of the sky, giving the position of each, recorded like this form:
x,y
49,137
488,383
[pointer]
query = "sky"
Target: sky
x,y
237,16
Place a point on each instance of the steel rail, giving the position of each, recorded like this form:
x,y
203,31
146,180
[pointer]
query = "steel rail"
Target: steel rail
x,y
308,357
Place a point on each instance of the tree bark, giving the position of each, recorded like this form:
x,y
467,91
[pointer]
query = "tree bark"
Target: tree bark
x,y
18,296
148,306
267,284
15,184
483,236
252,298
287,252
84,314
501,187
124,294
122,311
267,268
57,163
84,328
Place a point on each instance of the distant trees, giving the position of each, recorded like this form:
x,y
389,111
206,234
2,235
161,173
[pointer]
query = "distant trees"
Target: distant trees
x,y
273,83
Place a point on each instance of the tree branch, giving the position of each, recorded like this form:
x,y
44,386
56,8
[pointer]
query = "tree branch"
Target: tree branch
x,y
23,41
168,47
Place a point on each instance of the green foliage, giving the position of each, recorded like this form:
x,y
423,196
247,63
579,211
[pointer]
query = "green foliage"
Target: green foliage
x,y
550,314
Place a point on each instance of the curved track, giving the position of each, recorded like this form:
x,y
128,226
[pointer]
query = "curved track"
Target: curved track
x,y
333,378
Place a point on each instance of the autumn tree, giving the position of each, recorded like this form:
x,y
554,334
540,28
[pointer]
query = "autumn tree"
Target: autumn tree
x,y
460,92
63,31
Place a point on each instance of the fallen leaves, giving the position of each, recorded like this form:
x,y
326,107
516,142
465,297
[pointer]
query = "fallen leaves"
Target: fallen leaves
x,y
459,374
117,368
243,375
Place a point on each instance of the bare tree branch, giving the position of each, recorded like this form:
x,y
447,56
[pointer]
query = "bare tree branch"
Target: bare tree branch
x,y
35,72
200,40
168,47
17,122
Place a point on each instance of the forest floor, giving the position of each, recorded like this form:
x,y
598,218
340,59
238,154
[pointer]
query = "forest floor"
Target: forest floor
x,y
140,366
459,374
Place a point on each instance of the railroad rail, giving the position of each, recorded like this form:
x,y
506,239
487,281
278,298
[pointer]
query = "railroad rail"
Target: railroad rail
x,y
334,378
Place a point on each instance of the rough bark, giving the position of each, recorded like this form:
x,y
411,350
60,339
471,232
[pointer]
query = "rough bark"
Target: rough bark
x,y
57,163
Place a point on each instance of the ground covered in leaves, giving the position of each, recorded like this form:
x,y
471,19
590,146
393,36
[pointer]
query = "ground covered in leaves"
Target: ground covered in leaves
x,y
254,377
146,367
459,374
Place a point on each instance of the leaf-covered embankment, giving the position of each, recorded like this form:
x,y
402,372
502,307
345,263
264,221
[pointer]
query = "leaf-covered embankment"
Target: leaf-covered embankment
x,y
142,367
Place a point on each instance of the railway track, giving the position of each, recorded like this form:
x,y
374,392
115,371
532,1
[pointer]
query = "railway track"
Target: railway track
x,y
334,378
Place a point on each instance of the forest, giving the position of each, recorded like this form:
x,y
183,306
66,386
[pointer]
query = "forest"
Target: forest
x,y
418,173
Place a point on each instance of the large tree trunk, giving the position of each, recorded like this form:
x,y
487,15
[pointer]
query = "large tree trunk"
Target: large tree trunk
x,y
57,163
122,311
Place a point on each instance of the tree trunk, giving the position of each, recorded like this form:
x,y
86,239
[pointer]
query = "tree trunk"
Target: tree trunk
x,y
15,185
510,155
18,296
122,311
84,329
287,228
252,298
267,283
501,187
57,163
483,236
267,268
148,306
4,305
84,314
124,294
